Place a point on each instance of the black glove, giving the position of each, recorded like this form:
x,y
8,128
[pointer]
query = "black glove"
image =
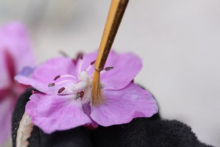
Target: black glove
x,y
141,132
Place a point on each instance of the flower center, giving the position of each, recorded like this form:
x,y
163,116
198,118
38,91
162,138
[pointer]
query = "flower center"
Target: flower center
x,y
79,87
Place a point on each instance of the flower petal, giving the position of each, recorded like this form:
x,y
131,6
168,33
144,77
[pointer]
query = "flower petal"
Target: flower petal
x,y
10,65
14,38
38,85
125,67
4,93
56,113
87,111
26,71
45,74
6,109
123,105
15,52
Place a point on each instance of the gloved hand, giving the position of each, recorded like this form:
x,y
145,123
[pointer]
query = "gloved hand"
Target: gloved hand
x,y
140,132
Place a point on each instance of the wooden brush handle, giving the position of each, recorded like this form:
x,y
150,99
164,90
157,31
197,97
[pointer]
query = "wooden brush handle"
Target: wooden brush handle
x,y
115,15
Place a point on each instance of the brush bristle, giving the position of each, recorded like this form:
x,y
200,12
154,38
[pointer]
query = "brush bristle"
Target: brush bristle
x,y
97,96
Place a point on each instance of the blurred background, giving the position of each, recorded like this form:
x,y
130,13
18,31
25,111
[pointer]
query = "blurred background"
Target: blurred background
x,y
178,41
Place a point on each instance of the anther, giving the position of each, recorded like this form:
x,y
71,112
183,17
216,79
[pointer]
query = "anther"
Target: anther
x,y
77,96
92,62
79,56
51,84
108,68
61,90
81,94
57,77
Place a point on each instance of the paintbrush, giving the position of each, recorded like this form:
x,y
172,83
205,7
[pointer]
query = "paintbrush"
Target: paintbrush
x,y
114,18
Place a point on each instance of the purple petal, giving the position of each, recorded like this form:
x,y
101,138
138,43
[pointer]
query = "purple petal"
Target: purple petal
x,y
4,93
87,111
14,39
6,109
86,62
125,67
45,74
123,105
26,71
4,77
56,113
10,64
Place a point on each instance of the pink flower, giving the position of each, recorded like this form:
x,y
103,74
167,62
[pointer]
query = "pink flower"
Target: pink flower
x,y
15,53
66,93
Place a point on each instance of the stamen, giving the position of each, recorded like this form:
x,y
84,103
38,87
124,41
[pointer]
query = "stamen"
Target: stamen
x,y
51,84
68,76
65,81
79,56
108,68
64,76
57,77
79,95
61,90
80,66
90,66
92,62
